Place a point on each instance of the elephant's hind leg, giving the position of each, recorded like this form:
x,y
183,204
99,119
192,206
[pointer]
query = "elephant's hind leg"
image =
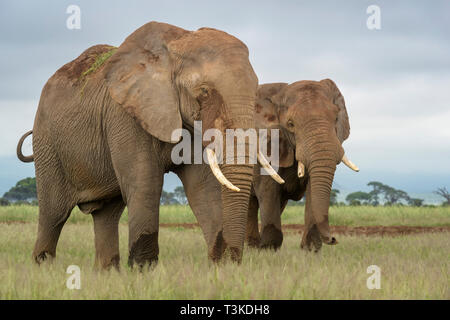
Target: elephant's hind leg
x,y
54,210
106,229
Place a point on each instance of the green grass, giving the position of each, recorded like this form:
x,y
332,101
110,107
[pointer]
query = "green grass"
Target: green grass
x,y
349,216
373,216
412,267
99,61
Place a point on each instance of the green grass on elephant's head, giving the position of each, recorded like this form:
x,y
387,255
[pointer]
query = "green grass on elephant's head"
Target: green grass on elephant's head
x,y
99,61
412,267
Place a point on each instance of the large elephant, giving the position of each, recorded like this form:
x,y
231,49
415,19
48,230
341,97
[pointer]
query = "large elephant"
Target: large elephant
x,y
103,136
314,123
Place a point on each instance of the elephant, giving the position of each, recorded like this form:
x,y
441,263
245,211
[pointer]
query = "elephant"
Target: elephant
x,y
103,136
313,123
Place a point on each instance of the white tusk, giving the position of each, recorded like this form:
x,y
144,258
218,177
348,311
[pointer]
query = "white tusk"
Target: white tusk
x,y
349,164
301,170
217,172
271,171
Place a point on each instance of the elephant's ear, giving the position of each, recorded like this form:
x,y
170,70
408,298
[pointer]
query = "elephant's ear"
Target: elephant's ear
x,y
266,111
342,124
267,117
139,78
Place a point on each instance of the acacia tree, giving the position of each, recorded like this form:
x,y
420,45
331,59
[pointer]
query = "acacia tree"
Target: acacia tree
x,y
377,190
391,196
333,197
414,202
168,198
445,194
394,196
24,190
358,198
180,195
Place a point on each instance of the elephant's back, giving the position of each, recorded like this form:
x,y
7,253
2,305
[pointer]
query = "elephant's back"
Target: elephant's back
x,y
66,90
89,62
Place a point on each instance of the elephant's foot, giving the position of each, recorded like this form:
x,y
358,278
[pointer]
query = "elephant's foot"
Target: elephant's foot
x,y
144,252
311,240
103,263
43,256
253,241
235,254
217,249
271,237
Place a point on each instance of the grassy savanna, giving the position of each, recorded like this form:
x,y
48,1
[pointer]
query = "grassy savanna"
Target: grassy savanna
x,y
412,267
339,215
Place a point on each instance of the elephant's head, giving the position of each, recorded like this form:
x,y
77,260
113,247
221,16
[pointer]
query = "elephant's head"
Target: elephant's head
x,y
314,124
167,78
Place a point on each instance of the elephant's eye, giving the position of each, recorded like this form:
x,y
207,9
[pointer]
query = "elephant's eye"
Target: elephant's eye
x,y
204,91
290,123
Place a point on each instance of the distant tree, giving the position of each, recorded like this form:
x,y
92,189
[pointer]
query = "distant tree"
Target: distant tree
x,y
355,203
4,202
180,195
333,197
414,202
168,198
24,202
296,203
391,196
23,190
394,196
377,190
357,198
445,194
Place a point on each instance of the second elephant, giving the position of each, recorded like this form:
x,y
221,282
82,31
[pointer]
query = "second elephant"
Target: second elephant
x,y
314,123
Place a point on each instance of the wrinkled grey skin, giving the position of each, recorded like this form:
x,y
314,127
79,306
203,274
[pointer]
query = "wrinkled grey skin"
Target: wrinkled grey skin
x,y
313,120
102,139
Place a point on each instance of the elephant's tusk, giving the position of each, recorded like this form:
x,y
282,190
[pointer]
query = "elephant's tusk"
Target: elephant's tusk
x,y
217,172
271,171
301,170
349,164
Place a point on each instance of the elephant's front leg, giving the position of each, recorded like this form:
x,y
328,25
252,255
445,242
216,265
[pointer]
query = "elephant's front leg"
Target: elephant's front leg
x,y
143,220
204,196
269,198
253,238
138,164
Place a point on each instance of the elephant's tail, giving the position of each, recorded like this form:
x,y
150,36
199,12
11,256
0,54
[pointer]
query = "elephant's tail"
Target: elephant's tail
x,y
19,149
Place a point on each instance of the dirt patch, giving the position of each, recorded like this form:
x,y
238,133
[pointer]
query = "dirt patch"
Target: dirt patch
x,y
13,222
344,230
391,231
373,230
180,225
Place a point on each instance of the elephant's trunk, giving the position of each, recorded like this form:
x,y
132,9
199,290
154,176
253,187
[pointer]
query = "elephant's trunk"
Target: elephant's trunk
x,y
240,174
235,207
321,176
323,150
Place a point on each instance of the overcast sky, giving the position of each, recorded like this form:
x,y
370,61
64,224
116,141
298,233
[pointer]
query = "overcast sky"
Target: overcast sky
x,y
396,81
